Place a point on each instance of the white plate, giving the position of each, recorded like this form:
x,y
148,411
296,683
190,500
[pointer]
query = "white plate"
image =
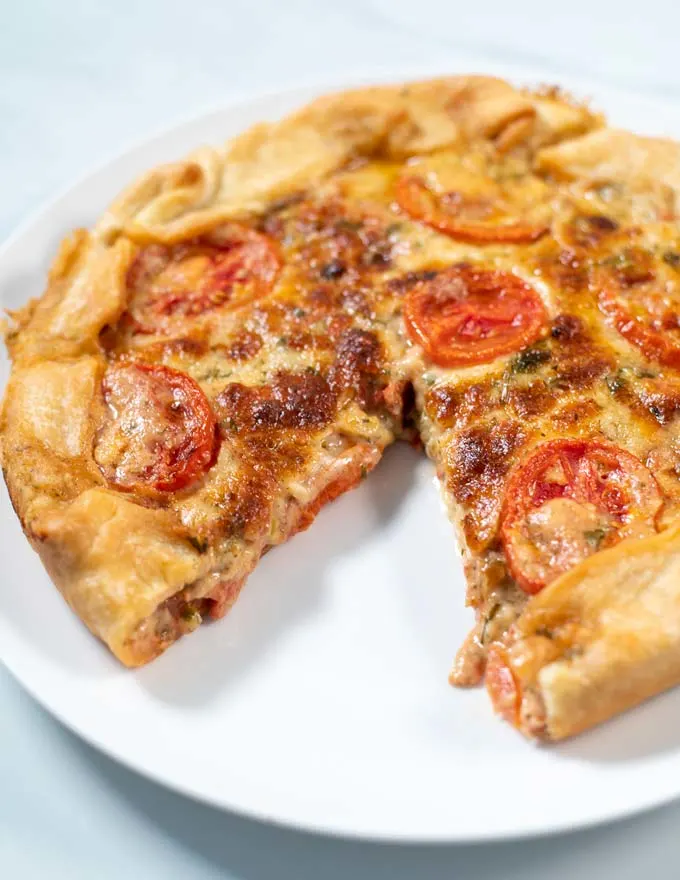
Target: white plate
x,y
322,700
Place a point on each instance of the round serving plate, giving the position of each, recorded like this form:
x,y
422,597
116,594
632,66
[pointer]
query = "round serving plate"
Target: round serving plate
x,y
322,700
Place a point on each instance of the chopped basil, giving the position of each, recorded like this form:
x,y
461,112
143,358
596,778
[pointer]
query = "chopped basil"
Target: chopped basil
x,y
671,258
214,373
615,382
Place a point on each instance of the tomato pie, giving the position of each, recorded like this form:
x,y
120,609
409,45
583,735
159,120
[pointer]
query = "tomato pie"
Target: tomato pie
x,y
488,272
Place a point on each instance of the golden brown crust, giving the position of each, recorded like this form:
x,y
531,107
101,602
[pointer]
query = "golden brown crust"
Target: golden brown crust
x,y
85,292
114,561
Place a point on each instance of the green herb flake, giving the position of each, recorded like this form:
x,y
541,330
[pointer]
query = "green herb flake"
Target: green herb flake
x,y
487,620
658,413
615,383
214,373
618,261
191,616
198,544
595,537
528,360
672,259
545,632
348,225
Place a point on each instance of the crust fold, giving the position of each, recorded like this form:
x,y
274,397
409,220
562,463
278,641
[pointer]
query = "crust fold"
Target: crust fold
x,y
601,639
270,161
609,154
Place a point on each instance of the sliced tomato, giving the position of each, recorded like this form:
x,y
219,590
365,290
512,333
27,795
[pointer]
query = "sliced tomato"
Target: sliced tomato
x,y
654,344
570,499
161,430
502,685
417,199
642,311
468,316
169,286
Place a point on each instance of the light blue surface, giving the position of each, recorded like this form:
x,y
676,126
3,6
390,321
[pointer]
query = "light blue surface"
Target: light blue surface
x,y
78,82
68,812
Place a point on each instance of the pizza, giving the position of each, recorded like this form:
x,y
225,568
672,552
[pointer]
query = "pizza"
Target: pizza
x,y
490,273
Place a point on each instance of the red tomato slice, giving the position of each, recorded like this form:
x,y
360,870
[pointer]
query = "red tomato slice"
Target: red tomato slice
x,y
161,432
570,499
468,316
227,270
502,685
417,199
644,317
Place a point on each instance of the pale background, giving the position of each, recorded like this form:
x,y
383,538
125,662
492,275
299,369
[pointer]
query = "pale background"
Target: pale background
x,y
79,81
